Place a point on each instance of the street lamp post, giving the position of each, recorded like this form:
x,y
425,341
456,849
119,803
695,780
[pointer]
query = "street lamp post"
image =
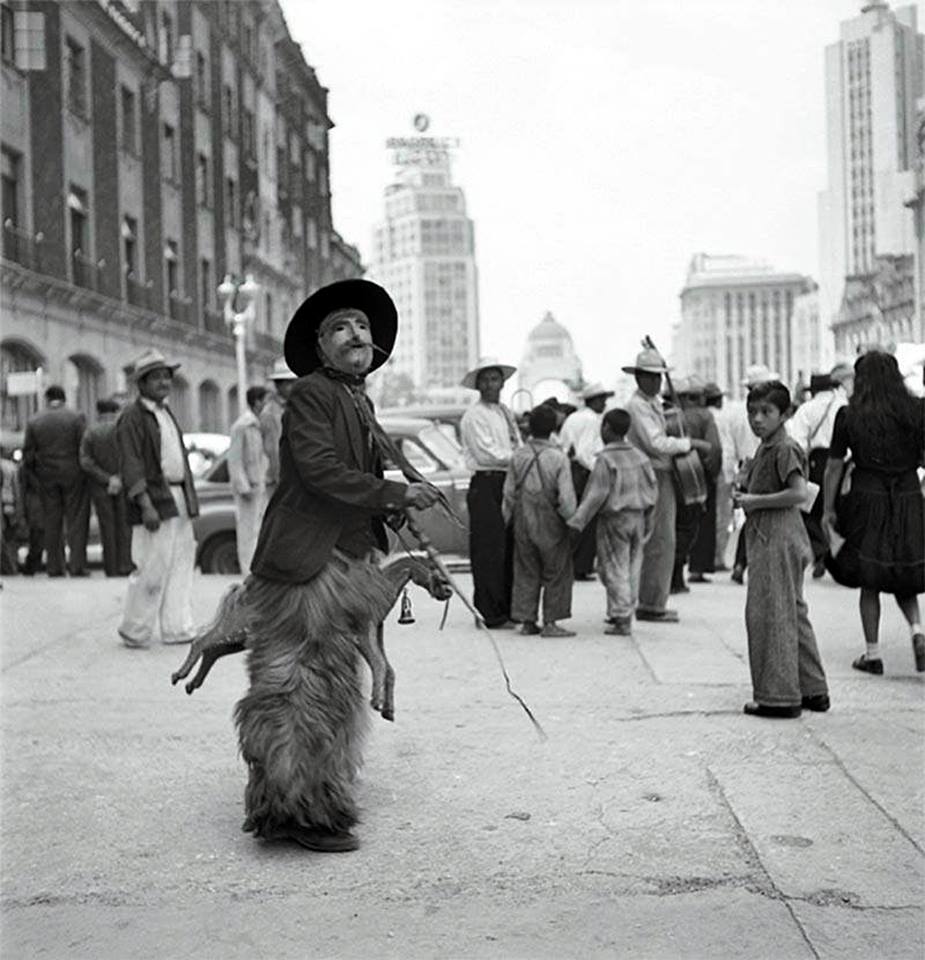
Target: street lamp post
x,y
228,292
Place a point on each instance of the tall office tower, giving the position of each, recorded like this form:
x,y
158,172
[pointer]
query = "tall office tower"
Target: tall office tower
x,y
424,254
737,312
873,77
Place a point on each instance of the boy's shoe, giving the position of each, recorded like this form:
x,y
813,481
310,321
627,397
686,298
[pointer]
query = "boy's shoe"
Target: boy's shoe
x,y
778,713
554,630
658,616
619,628
818,702
528,629
918,648
738,574
868,665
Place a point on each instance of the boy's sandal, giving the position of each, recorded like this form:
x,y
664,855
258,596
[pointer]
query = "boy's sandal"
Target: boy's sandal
x,y
868,664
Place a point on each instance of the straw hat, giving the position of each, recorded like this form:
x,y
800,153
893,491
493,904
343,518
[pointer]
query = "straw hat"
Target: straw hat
x,y
647,361
596,389
151,359
487,363
302,333
691,386
281,371
759,373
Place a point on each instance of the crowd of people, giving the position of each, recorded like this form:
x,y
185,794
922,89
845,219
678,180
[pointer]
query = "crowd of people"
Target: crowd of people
x,y
537,491
641,497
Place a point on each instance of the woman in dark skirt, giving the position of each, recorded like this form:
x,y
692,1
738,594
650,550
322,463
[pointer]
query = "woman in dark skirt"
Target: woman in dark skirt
x,y
881,517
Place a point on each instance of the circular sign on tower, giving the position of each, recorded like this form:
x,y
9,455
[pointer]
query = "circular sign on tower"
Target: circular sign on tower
x,y
421,122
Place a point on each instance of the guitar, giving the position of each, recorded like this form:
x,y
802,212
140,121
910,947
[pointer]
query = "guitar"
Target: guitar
x,y
689,476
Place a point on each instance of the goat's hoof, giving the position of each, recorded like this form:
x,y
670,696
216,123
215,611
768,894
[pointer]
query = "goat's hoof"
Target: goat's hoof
x,y
388,714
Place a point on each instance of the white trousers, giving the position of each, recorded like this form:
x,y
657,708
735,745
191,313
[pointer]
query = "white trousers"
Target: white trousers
x,y
159,598
248,515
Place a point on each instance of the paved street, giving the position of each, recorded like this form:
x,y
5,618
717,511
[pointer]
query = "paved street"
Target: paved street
x,y
655,822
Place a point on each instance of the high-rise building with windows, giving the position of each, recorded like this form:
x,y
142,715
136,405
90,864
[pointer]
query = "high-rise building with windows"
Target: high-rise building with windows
x,y
737,312
873,78
149,148
424,254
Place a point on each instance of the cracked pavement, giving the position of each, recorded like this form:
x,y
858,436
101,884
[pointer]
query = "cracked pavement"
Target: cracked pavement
x,y
657,821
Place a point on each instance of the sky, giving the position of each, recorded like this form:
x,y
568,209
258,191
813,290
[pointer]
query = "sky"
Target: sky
x,y
602,143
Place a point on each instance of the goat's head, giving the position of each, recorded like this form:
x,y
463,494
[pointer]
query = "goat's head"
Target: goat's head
x,y
425,573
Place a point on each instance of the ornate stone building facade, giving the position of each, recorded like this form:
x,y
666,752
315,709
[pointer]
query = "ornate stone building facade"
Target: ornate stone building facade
x,y
549,367
149,149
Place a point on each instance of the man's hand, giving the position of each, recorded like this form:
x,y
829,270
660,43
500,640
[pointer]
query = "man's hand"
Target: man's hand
x,y
150,518
114,486
421,495
701,446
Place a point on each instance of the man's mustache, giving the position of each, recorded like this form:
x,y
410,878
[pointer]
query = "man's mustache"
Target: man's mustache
x,y
359,344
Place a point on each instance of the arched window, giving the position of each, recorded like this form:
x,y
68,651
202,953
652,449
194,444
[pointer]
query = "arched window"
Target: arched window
x,y
210,418
18,401
83,376
180,401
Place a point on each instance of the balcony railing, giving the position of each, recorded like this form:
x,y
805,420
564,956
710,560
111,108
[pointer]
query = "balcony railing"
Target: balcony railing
x,y
85,271
214,322
179,308
22,247
138,294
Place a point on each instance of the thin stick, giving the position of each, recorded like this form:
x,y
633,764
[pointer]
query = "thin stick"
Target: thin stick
x,y
435,557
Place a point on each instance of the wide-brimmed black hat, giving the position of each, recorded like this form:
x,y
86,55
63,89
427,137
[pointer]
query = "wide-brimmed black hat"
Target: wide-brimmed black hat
x,y
301,338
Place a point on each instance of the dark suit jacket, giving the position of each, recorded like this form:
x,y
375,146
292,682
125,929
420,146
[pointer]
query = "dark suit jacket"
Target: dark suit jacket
x,y
139,439
324,489
51,446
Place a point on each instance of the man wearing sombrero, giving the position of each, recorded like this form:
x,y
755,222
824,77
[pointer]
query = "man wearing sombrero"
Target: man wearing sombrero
x,y
314,586
647,432
161,502
489,435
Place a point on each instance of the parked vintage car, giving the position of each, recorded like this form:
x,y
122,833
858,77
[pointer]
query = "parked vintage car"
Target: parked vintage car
x,y
445,415
429,449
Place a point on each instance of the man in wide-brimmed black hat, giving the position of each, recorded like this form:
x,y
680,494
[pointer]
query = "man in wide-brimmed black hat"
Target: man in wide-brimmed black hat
x,y
314,586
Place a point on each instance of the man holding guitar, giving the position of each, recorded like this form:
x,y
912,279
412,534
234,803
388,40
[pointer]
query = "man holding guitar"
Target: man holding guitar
x,y
647,432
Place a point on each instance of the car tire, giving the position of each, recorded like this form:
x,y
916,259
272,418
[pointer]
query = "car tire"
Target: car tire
x,y
220,554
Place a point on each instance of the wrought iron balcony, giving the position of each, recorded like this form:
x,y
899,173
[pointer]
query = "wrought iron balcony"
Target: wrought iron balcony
x,y
22,247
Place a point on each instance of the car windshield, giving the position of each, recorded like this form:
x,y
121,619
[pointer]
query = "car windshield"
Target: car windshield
x,y
443,447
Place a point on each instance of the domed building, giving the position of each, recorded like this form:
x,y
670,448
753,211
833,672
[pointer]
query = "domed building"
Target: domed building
x,y
550,367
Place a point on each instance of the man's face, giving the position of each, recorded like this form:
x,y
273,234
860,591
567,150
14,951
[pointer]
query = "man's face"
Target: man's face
x,y
489,383
156,384
346,343
597,403
283,388
649,383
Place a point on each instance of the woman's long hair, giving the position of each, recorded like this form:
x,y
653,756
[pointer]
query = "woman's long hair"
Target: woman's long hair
x,y
880,398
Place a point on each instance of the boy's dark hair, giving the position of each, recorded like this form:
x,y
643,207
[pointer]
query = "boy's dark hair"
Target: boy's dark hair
x,y
542,420
107,405
255,395
773,391
618,421
54,392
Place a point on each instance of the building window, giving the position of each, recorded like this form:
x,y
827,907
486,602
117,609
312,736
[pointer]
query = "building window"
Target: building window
x,y
231,202
129,134
248,134
269,311
202,180
229,112
166,39
130,245
172,269
78,222
9,187
169,154
9,35
76,73
202,80
206,291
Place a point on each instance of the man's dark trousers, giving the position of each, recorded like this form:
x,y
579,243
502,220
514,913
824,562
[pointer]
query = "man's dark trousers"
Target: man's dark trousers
x,y
585,550
115,530
65,505
491,547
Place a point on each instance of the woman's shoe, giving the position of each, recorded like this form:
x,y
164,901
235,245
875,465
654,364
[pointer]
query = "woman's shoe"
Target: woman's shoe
x,y
918,648
873,665
779,713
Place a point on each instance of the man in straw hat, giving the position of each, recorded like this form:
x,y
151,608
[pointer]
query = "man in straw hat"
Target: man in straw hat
x,y
315,586
580,438
161,500
271,419
489,435
648,433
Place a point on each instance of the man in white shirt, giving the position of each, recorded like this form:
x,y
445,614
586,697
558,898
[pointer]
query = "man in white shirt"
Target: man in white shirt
x,y
580,438
648,433
162,500
489,436
811,426
247,471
